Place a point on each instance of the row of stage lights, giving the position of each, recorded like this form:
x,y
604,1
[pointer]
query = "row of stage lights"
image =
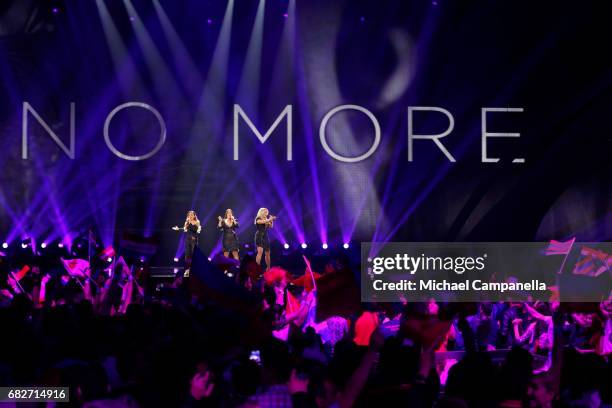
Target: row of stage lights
x,y
24,245
303,245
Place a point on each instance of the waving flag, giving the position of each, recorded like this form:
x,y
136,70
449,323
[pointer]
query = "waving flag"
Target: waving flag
x,y
76,267
108,252
293,305
559,247
593,262
19,275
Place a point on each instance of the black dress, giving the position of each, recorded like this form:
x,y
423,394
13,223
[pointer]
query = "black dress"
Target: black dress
x,y
191,240
229,237
261,236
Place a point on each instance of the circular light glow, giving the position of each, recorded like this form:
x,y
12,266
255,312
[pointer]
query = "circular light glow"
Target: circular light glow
x,y
324,246
209,258
304,246
109,259
286,246
24,246
43,245
345,246
176,259
5,245
60,245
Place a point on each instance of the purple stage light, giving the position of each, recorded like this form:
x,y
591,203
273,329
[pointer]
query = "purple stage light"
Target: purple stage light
x,y
247,245
24,245
43,245
60,245
176,259
5,245
304,246
209,21
286,246
209,259
285,15
345,245
109,259
55,10
176,270
324,246
142,259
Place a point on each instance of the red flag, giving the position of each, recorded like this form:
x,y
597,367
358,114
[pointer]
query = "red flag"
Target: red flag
x,y
559,247
293,305
593,262
19,275
76,267
108,252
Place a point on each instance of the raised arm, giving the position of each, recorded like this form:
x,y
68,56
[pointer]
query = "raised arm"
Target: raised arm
x,y
537,315
528,334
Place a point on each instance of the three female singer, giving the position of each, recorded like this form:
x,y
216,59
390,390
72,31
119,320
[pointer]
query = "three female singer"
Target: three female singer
x,y
228,225
192,229
263,221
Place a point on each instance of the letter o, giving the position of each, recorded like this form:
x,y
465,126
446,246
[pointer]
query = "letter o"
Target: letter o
x,y
148,107
336,156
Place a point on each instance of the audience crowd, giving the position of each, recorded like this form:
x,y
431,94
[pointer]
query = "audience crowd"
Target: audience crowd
x,y
115,341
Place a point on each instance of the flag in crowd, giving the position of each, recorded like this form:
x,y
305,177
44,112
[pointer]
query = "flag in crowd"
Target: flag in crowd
x,y
108,252
592,262
22,272
76,267
559,247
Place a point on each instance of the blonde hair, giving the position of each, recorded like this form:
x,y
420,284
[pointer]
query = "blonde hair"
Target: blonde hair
x,y
260,213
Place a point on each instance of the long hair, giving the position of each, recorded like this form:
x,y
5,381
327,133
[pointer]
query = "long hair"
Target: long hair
x,y
195,217
260,214
229,210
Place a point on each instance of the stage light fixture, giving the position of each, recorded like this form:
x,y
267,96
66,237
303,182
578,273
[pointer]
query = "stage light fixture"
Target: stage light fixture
x,y
43,245
346,245
109,259
176,259
304,246
286,246
325,246
5,245
24,245
60,245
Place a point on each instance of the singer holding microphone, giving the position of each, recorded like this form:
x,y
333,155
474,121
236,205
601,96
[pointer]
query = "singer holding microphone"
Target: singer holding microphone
x,y
263,222
192,229
229,239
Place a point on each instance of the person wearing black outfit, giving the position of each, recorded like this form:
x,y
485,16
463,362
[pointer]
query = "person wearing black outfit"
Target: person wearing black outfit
x,y
192,229
228,225
263,222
